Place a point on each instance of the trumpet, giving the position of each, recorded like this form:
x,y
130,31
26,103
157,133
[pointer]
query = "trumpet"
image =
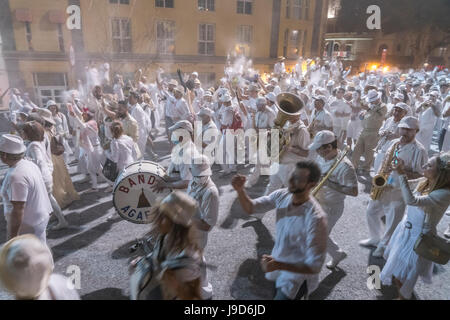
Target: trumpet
x,y
325,178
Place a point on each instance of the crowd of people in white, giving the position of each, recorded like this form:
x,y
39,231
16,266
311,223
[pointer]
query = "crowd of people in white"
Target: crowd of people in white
x,y
372,122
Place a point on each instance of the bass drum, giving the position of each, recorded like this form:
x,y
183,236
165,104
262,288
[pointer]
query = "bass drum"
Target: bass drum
x,y
133,195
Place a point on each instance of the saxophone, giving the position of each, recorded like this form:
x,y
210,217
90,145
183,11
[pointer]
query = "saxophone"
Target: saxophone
x,y
380,181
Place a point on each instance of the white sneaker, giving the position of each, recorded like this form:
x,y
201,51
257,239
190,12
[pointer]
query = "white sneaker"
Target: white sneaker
x,y
379,252
369,243
334,262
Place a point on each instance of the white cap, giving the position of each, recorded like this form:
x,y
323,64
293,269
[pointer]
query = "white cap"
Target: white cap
x,y
50,103
200,167
173,82
330,83
225,98
409,123
207,94
179,207
372,96
319,97
46,115
399,96
435,94
206,112
183,124
26,265
403,106
180,89
271,97
261,101
252,87
321,138
12,144
274,80
195,73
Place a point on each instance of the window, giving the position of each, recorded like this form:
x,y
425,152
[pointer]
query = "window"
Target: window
x,y
165,37
29,36
206,5
244,6
206,39
61,38
245,34
306,15
164,3
119,1
121,35
50,86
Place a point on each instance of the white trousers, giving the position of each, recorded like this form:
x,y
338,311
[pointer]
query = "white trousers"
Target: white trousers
x,y
39,230
392,206
334,213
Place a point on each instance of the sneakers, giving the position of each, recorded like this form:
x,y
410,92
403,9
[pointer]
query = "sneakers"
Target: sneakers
x,y
335,261
378,253
447,232
369,243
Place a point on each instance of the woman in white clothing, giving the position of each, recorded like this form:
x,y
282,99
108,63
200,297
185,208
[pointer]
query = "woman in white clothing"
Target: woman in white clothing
x,y
36,152
426,206
61,127
122,147
92,153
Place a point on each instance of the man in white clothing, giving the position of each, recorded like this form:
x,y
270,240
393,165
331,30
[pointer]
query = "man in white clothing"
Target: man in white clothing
x,y
301,232
26,203
144,122
341,183
205,192
390,202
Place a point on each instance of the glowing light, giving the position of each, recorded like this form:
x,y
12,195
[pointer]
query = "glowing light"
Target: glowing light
x,y
374,67
386,69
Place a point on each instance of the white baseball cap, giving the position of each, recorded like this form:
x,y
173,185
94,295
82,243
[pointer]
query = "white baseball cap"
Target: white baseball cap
x,y
403,106
173,82
261,101
26,265
183,124
50,103
409,123
225,98
12,144
200,167
372,96
271,97
205,112
321,138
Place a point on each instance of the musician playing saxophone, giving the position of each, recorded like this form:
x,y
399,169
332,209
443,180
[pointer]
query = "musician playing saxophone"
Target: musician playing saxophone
x,y
390,202
341,182
321,119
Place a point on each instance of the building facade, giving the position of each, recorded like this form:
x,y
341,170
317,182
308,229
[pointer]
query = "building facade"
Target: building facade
x,y
43,56
365,50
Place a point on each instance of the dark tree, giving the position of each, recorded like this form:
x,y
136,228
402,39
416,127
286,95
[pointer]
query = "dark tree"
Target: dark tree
x,y
428,21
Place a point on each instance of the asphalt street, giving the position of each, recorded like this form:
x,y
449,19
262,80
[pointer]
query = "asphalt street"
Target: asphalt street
x,y
100,248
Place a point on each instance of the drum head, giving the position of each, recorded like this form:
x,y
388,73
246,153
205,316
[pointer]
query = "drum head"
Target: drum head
x,y
133,196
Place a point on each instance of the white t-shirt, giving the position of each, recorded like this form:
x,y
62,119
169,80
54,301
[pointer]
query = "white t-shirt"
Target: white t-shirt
x,y
122,152
36,152
301,236
24,183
